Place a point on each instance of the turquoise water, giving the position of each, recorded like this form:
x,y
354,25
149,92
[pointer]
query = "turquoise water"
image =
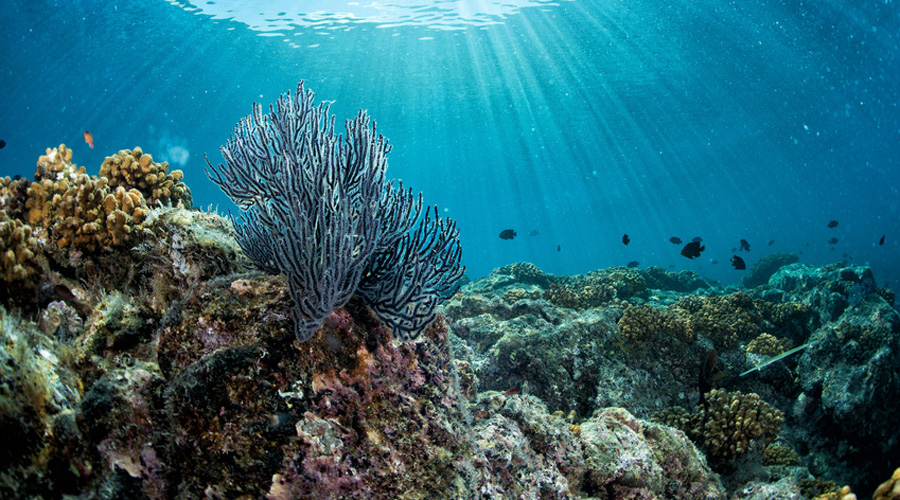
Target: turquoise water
x,y
577,120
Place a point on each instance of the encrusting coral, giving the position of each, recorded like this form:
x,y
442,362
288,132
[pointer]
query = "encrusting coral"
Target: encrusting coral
x,y
640,323
768,345
725,320
134,169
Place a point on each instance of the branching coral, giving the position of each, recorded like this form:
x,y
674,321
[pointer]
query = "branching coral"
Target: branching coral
x,y
134,169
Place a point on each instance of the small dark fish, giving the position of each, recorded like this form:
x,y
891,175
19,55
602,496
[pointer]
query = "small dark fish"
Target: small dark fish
x,y
534,232
771,242
738,262
2,143
713,261
633,264
696,239
675,240
733,249
558,248
833,241
745,246
17,177
881,241
507,234
833,224
625,239
692,249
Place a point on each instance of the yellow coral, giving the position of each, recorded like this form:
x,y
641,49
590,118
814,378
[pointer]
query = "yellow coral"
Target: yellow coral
x,y
725,320
19,253
56,164
769,345
639,323
727,423
80,211
890,489
136,170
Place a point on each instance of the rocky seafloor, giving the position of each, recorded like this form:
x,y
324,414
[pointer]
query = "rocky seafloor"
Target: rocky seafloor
x,y
141,359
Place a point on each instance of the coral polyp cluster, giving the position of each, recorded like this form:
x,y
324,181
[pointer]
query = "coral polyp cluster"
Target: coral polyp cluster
x,y
20,256
133,169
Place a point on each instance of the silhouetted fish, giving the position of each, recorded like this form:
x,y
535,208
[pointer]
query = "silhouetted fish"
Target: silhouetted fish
x,y
692,249
833,224
697,239
507,234
558,248
833,241
771,242
675,240
738,262
881,241
625,239
713,261
633,264
534,232
745,245
2,143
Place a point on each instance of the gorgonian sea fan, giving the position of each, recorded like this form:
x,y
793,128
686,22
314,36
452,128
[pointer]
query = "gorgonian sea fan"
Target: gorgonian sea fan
x,y
317,208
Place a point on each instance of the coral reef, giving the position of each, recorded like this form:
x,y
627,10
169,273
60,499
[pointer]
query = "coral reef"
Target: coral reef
x,y
727,423
317,208
768,345
13,195
158,367
890,489
81,212
725,320
681,281
759,274
20,258
641,323
631,458
134,169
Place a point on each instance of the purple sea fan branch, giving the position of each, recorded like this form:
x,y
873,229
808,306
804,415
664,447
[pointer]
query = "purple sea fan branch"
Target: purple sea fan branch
x,y
309,200
316,207
406,283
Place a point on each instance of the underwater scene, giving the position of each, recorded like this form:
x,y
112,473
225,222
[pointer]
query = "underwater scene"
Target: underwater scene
x,y
450,249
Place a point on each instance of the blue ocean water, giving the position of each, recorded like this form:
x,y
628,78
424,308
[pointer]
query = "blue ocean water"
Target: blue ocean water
x,y
572,122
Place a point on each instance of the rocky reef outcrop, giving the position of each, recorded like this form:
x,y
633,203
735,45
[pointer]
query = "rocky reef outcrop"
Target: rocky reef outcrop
x,y
158,366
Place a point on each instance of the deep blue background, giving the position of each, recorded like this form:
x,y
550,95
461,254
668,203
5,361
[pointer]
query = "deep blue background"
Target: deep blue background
x,y
582,121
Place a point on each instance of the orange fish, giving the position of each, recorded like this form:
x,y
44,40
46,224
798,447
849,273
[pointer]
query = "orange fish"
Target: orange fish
x,y
89,139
